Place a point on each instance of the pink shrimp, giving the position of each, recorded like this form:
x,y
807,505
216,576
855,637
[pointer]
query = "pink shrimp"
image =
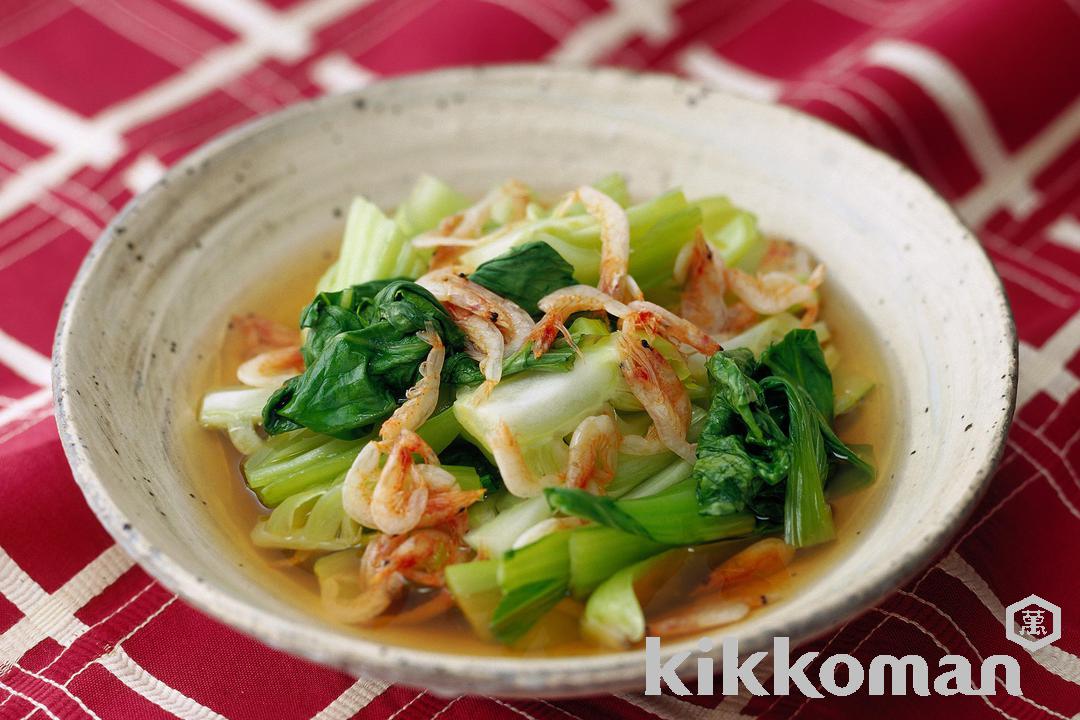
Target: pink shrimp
x,y
359,484
733,589
561,304
647,444
403,495
774,292
702,301
594,452
704,613
484,343
391,562
259,334
271,368
785,256
520,481
615,278
759,560
399,497
591,463
654,383
421,398
408,495
454,289
457,233
659,321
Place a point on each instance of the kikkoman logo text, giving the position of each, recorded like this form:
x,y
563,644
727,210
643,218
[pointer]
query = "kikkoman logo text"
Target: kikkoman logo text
x,y
1032,623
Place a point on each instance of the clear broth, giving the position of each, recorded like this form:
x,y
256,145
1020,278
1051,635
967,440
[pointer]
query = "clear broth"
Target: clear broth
x,y
236,509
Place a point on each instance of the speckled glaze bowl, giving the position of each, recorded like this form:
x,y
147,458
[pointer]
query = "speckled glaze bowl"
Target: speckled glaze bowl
x,y
165,274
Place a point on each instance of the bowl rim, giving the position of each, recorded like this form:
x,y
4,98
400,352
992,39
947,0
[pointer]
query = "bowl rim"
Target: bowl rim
x,y
506,676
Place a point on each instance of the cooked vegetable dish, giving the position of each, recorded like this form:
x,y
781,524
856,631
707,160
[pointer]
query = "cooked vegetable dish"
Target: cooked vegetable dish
x,y
535,414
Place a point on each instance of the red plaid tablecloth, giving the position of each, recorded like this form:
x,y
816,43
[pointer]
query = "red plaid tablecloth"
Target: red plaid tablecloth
x,y
97,97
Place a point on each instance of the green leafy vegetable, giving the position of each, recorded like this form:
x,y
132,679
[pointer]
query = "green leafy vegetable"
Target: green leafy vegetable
x,y
598,508
236,411
767,444
576,237
807,517
732,231
545,559
849,388
497,536
297,461
597,552
357,376
461,369
525,274
733,391
670,517
614,616
475,588
521,608
462,452
334,312
741,449
373,247
429,201
313,519
798,358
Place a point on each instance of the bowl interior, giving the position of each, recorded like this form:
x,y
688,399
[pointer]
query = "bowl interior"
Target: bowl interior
x,y
159,286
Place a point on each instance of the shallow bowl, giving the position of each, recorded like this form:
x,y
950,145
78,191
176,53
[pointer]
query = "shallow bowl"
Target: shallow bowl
x,y
166,273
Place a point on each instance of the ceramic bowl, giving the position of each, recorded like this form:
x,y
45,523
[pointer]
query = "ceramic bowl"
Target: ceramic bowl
x,y
162,279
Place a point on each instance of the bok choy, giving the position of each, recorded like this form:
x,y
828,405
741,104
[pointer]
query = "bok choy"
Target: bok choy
x,y
520,407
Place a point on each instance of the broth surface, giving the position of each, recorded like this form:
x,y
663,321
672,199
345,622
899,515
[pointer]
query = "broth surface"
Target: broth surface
x,y
221,484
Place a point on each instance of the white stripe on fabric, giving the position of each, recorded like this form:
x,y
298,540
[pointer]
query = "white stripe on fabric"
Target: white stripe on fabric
x,y
39,117
1045,368
974,649
956,97
24,361
215,69
26,407
38,706
1061,663
63,690
541,17
149,618
671,708
53,615
135,676
1065,231
17,586
702,63
337,72
1011,180
144,172
941,646
610,29
259,24
355,698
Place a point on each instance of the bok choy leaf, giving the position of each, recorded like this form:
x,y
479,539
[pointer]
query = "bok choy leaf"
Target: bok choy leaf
x,y
525,274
